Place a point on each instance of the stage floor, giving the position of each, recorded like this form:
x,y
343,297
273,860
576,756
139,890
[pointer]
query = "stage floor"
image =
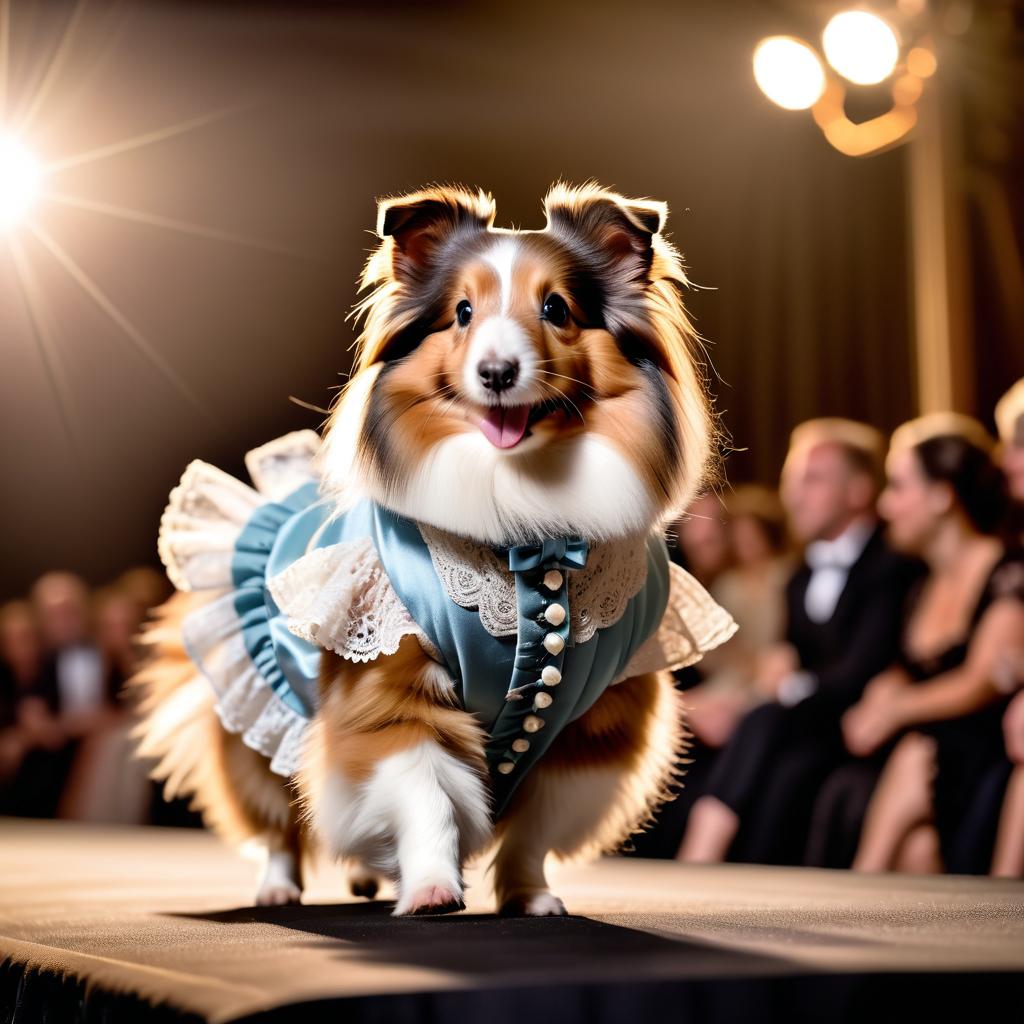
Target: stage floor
x,y
106,917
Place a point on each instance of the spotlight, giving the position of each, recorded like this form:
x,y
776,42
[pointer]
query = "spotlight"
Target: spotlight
x,y
20,175
861,47
788,72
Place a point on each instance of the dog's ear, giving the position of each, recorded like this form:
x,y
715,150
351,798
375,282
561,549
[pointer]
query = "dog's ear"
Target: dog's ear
x,y
420,223
614,231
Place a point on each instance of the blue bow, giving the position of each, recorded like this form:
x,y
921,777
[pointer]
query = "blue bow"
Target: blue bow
x,y
563,552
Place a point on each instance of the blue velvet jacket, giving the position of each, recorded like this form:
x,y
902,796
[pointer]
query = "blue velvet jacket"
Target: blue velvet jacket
x,y
524,689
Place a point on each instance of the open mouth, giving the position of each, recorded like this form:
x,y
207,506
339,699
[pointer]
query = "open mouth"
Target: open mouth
x,y
506,425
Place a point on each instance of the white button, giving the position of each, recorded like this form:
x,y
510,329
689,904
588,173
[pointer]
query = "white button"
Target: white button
x,y
550,676
532,724
555,614
541,701
552,579
553,643
520,746
505,767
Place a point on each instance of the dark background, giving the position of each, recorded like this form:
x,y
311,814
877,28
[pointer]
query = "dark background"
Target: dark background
x,y
801,253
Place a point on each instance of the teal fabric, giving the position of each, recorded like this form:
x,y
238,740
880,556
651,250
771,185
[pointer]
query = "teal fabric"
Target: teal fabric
x,y
495,678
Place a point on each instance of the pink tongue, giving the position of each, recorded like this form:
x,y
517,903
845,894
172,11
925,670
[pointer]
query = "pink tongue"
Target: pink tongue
x,y
504,428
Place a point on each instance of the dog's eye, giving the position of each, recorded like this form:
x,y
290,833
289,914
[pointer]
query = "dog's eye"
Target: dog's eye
x,y
555,311
463,312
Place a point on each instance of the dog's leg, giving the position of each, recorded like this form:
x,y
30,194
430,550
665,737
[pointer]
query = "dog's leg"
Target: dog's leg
x,y
599,782
423,790
393,776
282,874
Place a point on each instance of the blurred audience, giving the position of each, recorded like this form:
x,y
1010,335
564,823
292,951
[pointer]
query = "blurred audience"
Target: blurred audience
x,y
1008,858
842,623
754,591
64,657
737,547
1010,423
702,539
933,717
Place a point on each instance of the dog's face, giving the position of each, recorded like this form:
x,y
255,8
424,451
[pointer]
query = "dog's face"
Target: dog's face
x,y
518,383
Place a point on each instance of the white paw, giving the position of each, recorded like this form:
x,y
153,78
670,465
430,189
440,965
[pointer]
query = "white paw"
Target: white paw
x,y
278,894
430,899
280,882
533,904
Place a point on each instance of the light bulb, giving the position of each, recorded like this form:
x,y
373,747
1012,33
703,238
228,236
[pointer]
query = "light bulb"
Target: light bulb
x,y
788,72
861,47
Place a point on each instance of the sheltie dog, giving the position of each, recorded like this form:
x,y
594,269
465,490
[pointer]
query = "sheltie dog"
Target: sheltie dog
x,y
507,384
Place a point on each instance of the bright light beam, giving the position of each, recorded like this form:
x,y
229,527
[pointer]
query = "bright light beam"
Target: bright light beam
x,y
20,177
138,141
49,352
170,223
53,68
5,53
93,290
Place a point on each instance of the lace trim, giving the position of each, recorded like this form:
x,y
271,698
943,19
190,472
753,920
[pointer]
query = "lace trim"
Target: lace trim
x,y
283,465
340,598
473,576
245,704
204,516
693,624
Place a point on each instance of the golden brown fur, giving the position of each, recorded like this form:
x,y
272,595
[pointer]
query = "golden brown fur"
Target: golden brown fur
x,y
614,387
368,712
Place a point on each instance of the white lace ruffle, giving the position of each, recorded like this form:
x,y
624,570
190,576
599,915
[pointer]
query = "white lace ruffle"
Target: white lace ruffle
x,y
199,527
340,598
473,576
283,465
208,509
246,705
693,624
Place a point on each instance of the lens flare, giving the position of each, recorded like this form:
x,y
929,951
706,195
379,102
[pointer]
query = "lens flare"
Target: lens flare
x,y
861,47
20,176
788,72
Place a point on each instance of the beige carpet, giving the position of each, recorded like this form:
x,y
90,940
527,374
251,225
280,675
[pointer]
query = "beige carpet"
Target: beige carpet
x,y
164,914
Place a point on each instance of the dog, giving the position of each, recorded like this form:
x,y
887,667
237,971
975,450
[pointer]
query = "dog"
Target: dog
x,y
447,628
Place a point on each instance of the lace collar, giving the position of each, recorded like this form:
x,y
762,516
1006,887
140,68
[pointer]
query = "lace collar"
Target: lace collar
x,y
475,576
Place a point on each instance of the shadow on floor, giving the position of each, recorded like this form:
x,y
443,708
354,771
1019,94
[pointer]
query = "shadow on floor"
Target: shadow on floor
x,y
490,949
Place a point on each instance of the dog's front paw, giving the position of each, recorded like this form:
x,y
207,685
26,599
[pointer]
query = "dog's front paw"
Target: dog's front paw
x,y
278,894
430,899
533,904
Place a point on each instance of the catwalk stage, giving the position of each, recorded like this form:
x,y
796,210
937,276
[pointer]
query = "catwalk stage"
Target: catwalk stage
x,y
103,924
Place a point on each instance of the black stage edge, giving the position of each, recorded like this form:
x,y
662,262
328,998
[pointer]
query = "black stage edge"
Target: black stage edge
x,y
34,997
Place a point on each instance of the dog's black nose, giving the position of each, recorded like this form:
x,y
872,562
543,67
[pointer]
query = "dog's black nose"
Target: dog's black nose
x,y
498,374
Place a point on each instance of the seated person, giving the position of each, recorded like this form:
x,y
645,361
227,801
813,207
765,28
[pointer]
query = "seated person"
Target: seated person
x,y
746,529
841,629
937,799
21,665
702,539
754,592
1008,859
1010,421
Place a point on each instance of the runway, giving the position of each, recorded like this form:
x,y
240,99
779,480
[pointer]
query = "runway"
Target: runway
x,y
144,924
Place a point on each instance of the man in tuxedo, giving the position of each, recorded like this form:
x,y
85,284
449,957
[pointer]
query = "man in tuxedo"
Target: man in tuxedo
x,y
843,619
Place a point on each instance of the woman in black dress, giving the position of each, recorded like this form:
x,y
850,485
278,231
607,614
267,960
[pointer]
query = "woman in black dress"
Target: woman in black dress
x,y
937,798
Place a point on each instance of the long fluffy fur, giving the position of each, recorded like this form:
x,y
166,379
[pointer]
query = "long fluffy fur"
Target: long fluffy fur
x,y
619,436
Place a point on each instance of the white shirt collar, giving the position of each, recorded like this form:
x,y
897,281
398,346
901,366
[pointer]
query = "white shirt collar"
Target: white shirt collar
x,y
844,550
